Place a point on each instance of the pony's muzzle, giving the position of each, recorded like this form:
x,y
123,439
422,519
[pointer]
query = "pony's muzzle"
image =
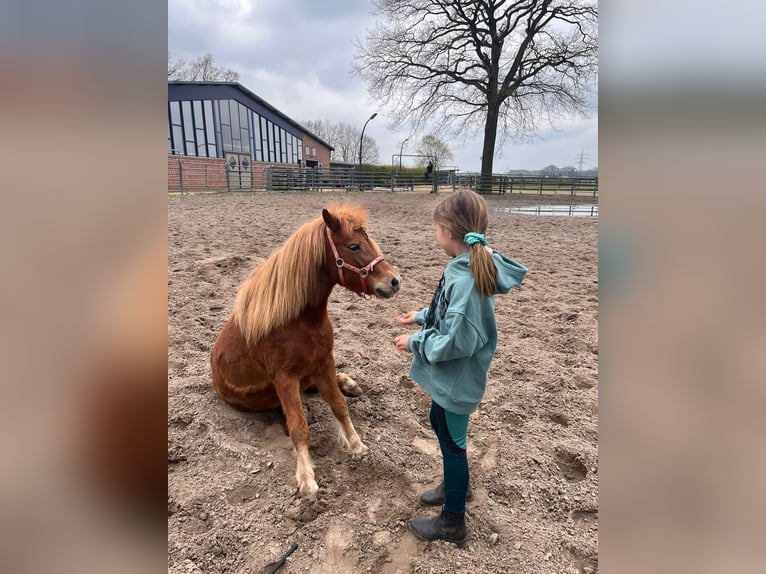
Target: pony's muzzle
x,y
389,289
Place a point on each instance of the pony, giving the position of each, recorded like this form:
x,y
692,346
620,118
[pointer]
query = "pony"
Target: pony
x,y
278,341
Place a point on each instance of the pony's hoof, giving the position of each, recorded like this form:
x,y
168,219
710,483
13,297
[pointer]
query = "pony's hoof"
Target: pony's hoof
x,y
348,386
360,451
309,489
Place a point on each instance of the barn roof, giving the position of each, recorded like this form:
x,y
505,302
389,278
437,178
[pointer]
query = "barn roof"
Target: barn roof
x,y
257,99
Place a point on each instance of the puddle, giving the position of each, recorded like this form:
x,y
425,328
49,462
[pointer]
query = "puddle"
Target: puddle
x,y
553,210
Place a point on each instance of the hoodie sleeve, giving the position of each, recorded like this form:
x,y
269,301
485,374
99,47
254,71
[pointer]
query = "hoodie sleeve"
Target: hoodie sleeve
x,y
458,335
509,272
420,317
460,339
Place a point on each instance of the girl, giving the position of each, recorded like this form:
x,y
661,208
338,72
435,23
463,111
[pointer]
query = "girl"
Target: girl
x,y
452,353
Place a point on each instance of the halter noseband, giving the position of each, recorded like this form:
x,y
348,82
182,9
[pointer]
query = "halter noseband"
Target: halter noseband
x,y
339,263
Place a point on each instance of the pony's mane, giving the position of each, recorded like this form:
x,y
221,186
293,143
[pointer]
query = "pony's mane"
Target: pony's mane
x,y
280,288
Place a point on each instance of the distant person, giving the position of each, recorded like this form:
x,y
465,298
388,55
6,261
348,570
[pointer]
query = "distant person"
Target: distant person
x,y
452,353
429,170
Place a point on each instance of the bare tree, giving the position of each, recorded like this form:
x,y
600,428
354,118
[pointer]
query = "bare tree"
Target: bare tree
x,y
345,139
175,67
435,149
461,66
370,152
202,69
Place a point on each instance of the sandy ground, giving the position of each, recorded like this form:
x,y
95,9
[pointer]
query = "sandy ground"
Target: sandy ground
x,y
532,445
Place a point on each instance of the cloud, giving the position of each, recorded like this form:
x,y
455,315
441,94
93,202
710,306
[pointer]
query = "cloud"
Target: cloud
x,y
298,56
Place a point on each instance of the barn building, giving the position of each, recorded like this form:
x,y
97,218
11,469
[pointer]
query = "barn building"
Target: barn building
x,y
222,136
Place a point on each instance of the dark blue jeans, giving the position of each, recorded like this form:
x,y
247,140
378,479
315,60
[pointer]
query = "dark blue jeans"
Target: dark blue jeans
x,y
451,429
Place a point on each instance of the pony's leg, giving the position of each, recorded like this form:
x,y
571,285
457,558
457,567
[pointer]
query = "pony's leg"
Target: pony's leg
x,y
348,386
289,393
328,388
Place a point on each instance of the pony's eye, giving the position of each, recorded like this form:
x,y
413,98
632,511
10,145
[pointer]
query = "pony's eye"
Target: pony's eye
x,y
353,247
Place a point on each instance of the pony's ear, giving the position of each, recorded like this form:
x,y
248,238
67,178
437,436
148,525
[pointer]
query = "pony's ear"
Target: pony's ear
x,y
330,220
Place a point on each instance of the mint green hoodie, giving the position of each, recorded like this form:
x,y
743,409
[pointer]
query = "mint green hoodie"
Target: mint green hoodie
x,y
452,354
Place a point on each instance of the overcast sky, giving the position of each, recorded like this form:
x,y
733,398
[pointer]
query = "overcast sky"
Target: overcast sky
x,y
298,54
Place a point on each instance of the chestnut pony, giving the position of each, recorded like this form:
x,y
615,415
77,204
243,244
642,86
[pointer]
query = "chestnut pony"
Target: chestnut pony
x,y
279,340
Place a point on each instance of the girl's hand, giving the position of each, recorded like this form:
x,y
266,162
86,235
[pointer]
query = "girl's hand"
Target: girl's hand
x,y
407,318
401,342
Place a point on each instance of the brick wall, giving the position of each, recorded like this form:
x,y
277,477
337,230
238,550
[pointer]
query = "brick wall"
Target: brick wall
x,y
209,174
323,152
199,173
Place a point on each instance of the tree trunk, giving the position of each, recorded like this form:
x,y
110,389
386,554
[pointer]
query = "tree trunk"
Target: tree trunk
x,y
488,153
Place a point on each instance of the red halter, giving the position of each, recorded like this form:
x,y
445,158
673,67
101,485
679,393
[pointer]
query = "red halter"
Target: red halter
x,y
363,272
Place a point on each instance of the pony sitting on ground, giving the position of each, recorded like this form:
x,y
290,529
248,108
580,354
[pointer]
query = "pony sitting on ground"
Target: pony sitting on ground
x,y
279,340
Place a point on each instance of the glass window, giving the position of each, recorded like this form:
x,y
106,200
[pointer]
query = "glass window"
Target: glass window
x,y
201,143
278,143
270,134
170,132
234,117
257,153
244,136
251,142
243,116
313,152
208,107
308,152
289,145
265,139
217,124
226,137
187,116
300,151
178,139
188,125
175,113
225,112
211,147
176,128
199,119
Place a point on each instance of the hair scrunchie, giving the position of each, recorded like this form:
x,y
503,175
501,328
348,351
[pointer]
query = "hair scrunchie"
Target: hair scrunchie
x,y
471,238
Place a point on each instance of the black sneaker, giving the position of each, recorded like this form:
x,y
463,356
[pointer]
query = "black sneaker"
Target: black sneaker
x,y
435,496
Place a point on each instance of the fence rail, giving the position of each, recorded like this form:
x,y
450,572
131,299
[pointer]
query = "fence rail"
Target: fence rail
x,y
216,175
502,184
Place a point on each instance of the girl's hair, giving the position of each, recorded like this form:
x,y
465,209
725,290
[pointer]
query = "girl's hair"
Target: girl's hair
x,y
465,212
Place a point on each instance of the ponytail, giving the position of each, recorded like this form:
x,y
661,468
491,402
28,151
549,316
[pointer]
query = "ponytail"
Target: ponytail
x,y
464,214
484,270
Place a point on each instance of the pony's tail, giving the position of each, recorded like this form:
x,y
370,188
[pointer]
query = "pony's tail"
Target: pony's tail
x,y
484,270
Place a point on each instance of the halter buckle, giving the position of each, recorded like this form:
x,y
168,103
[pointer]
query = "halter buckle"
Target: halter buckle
x,y
339,262
363,272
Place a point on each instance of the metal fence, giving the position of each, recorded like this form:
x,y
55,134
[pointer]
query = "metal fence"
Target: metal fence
x,y
215,175
186,176
540,185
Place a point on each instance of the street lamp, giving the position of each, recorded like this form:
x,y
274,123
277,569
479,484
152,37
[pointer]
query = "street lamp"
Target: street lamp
x,y
360,148
401,151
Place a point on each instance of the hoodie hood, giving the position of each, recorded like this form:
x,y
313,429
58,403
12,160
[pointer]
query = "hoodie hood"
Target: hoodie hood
x,y
509,272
